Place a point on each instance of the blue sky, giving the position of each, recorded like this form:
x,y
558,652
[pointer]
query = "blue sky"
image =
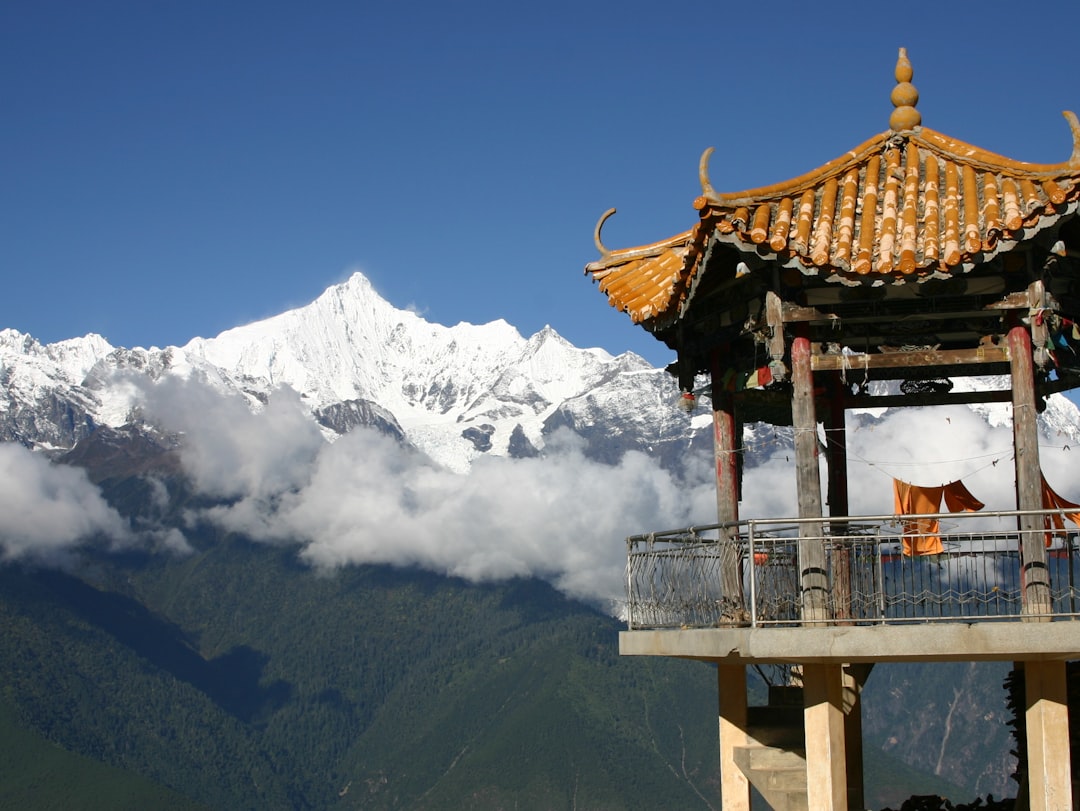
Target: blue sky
x,y
173,169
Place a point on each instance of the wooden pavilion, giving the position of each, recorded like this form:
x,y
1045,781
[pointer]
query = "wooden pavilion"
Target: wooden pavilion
x,y
913,258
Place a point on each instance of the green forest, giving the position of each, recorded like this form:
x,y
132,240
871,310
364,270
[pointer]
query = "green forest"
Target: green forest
x,y
238,678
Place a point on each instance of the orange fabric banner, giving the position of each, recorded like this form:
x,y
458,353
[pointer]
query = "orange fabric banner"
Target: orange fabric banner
x,y
959,499
1052,501
921,535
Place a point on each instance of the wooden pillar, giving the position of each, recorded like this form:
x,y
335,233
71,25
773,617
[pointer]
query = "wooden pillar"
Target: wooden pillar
x,y
1034,574
731,689
826,758
726,448
836,448
726,451
813,575
1049,774
836,460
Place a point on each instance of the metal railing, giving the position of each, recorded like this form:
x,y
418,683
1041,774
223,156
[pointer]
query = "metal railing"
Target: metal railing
x,y
877,567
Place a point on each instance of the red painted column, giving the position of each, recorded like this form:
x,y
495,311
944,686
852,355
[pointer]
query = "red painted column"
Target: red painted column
x,y
726,450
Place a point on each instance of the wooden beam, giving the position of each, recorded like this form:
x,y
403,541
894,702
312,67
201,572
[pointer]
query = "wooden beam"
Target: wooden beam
x,y
1013,301
908,359
795,313
927,399
1065,381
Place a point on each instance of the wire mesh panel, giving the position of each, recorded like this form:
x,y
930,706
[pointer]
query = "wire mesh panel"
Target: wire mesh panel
x,y
1064,565
855,576
676,583
967,580
876,573
772,566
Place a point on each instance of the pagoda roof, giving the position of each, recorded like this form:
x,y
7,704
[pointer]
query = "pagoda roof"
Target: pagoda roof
x,y
908,205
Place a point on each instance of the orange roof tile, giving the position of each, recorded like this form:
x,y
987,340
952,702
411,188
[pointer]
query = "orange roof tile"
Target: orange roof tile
x,y
907,205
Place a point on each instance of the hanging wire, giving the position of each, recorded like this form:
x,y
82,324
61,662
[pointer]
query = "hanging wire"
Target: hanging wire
x,y
880,466
1005,454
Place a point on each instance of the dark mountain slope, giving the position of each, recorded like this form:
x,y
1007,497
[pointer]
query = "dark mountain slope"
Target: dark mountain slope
x,y
245,680
36,774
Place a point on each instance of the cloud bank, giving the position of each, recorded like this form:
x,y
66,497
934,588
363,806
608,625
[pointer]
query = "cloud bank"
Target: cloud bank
x,y
46,509
562,517
365,499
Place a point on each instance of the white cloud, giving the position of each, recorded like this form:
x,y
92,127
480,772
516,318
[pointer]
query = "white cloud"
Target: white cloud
x,y
929,447
365,499
562,517
228,450
46,510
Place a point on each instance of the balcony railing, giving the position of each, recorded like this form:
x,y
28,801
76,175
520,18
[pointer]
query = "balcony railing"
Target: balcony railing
x,y
676,578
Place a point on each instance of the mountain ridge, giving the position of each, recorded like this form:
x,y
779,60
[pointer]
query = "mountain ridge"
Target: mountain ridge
x,y
349,345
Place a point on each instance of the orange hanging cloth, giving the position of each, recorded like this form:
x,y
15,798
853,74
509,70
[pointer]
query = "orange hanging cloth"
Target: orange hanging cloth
x,y
1052,501
921,535
959,499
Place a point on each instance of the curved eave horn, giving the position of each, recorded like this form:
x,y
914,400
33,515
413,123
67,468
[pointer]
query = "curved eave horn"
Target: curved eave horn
x,y
1074,125
596,233
703,173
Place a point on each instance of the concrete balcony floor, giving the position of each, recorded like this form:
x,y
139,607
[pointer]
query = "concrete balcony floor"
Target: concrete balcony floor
x,y
998,640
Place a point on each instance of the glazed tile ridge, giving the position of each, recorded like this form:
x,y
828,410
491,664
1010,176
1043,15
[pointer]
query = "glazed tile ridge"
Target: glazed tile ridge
x,y
901,207
900,204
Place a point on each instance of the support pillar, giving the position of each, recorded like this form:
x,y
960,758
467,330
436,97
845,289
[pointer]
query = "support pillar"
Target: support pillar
x,y
731,688
1034,574
726,449
836,461
826,758
854,678
1049,773
813,574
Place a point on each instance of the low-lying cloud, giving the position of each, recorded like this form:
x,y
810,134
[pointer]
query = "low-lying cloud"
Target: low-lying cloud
x,y
47,510
563,517
366,499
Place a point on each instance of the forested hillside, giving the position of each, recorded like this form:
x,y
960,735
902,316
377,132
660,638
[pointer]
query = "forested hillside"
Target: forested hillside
x,y
236,677
243,680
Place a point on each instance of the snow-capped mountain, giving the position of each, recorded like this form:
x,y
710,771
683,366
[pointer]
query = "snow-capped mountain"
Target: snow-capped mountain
x,y
455,393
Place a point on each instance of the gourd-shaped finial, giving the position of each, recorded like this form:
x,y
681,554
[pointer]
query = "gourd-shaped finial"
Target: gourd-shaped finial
x,y
904,97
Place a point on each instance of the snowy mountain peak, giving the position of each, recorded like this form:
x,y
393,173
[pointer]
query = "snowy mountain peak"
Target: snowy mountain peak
x,y
76,355
456,392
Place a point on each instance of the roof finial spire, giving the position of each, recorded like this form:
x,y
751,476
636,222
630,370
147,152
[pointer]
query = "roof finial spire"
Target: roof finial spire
x,y
904,97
